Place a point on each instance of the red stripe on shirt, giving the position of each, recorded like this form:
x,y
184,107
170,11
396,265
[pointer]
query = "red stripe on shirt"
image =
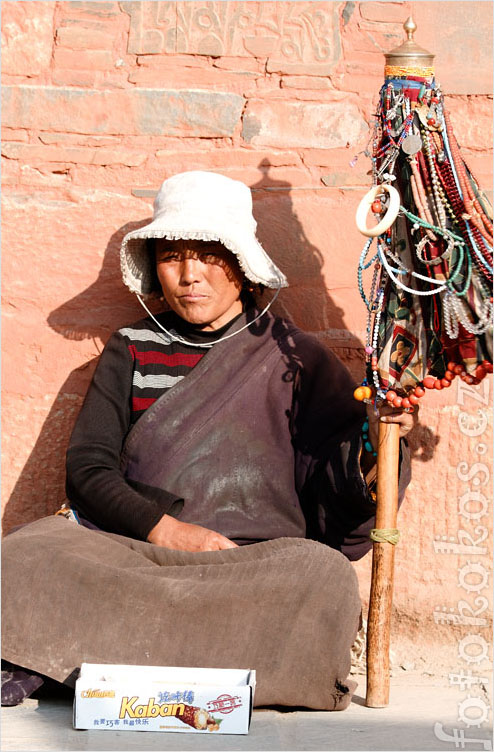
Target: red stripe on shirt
x,y
176,359
142,403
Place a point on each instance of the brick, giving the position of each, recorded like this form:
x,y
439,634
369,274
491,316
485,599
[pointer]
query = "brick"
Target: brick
x,y
83,59
85,79
14,134
76,139
284,67
363,79
258,177
295,124
187,113
357,43
81,21
119,177
146,111
44,177
320,96
101,8
169,63
338,159
149,176
112,79
345,179
80,38
253,167
239,64
219,158
104,156
27,37
305,82
196,78
387,12
34,153
386,35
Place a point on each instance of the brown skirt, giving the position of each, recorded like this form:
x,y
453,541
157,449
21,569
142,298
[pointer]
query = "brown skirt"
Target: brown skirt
x,y
288,608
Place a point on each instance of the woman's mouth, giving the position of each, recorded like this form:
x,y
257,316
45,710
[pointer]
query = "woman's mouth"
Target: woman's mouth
x,y
192,297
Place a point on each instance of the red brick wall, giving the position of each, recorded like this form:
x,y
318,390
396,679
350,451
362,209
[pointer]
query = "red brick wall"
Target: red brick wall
x,y
103,100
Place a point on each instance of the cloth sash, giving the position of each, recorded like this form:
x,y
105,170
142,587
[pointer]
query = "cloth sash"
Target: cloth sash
x,y
220,438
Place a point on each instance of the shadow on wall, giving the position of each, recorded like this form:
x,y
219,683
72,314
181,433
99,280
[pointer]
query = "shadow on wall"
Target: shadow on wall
x,y
107,305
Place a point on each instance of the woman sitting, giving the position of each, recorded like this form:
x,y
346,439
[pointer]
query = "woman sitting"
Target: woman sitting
x,y
217,471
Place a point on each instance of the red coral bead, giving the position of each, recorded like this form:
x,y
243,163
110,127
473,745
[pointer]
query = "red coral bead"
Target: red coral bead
x,y
414,400
429,382
391,395
487,366
419,391
377,207
468,379
438,384
451,365
446,383
449,375
397,402
458,370
406,402
480,372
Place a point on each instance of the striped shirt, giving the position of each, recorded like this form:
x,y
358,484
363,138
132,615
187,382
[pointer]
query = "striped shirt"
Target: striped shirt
x,y
160,360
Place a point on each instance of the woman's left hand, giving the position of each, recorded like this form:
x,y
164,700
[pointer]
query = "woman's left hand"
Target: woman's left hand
x,y
390,414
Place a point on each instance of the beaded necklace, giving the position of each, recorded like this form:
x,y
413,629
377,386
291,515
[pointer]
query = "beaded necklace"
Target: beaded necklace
x,y
438,250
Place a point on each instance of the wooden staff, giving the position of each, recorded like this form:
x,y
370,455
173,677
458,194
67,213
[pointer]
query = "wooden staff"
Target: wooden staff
x,y
381,594
407,59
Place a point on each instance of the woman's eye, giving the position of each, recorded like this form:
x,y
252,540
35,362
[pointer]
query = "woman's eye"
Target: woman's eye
x,y
210,255
164,257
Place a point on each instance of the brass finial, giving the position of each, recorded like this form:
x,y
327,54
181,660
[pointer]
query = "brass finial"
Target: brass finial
x,y
409,54
410,27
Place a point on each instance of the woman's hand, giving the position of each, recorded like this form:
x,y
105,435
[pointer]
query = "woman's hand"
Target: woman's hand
x,y
182,536
389,414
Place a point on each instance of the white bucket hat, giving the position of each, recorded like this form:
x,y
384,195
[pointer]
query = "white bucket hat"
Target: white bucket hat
x,y
199,205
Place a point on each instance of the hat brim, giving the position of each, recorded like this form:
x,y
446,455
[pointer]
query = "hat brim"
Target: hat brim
x,y
253,260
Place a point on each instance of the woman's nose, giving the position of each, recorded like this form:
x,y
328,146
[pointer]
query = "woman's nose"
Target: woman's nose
x,y
190,271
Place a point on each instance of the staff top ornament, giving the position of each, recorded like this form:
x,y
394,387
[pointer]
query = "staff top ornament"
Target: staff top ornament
x,y
409,58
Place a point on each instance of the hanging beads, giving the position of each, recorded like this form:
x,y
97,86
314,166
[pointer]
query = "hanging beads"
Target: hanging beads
x,y
439,248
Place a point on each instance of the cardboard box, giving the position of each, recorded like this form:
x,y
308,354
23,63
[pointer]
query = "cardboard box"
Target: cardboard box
x,y
164,698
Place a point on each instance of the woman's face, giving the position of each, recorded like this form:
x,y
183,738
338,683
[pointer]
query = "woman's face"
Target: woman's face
x,y
201,281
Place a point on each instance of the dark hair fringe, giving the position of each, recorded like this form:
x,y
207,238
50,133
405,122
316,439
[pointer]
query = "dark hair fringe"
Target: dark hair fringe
x,y
248,295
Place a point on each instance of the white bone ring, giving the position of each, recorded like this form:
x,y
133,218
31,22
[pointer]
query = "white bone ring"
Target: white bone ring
x,y
389,217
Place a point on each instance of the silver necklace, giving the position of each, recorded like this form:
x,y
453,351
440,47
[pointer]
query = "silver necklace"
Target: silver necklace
x,y
176,337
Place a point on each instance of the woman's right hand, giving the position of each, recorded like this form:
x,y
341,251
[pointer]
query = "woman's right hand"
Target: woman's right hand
x,y
183,536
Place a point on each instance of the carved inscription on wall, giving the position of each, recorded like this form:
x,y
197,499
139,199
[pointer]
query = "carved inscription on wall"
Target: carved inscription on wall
x,y
298,32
